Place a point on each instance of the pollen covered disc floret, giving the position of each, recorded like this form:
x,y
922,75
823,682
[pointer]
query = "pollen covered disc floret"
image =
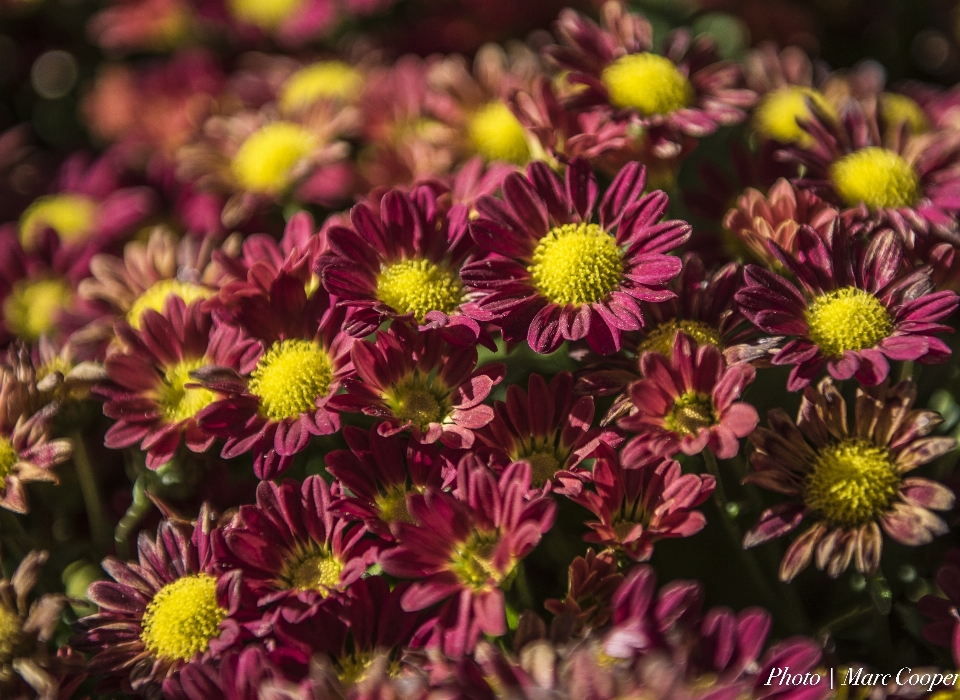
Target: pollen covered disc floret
x,y
290,377
177,401
497,134
776,115
8,458
13,642
182,618
265,162
852,483
691,412
576,264
315,571
661,338
847,319
472,561
543,465
32,307
418,400
419,286
267,15
648,83
157,294
876,177
321,80
70,215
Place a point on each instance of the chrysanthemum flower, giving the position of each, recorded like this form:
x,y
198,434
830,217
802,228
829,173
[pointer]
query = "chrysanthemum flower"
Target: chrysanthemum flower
x,y
851,482
640,503
551,274
421,384
292,551
403,264
591,582
687,402
158,613
944,629
906,182
856,308
546,426
379,472
285,399
462,547
325,80
684,91
151,394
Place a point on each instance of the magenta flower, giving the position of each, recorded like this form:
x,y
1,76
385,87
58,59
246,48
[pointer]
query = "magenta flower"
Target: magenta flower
x,y
944,612
688,402
641,503
462,547
854,310
417,382
551,274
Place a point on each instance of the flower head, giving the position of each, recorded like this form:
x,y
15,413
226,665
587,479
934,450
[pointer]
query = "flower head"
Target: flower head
x,y
851,481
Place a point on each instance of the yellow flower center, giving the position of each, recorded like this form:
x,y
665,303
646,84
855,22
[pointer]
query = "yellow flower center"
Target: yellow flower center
x,y
266,161
623,528
691,412
543,465
419,401
157,294
648,83
876,177
776,115
419,286
290,377
852,483
497,134
354,668
393,507
71,216
267,14
660,339
847,319
177,402
182,618
318,571
13,642
576,264
900,109
31,308
330,80
8,458
472,561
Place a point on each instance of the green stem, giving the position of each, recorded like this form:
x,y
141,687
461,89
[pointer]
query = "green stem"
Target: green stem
x,y
135,513
906,370
841,621
99,531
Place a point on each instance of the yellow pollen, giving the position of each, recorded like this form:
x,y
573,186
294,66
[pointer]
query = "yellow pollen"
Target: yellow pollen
x,y
13,642
8,459
419,286
157,294
182,618
691,412
393,507
543,465
776,115
876,177
267,14
266,162
71,216
576,264
177,402
852,483
847,319
660,339
497,134
648,83
900,109
326,80
316,572
290,377
472,561
32,307
419,401
354,668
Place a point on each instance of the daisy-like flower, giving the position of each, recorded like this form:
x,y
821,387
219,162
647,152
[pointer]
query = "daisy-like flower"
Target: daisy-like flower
x,y
906,182
292,552
286,398
686,91
551,274
417,382
546,426
379,471
157,614
592,580
854,309
150,393
27,453
944,628
640,503
687,402
851,482
403,264
462,547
